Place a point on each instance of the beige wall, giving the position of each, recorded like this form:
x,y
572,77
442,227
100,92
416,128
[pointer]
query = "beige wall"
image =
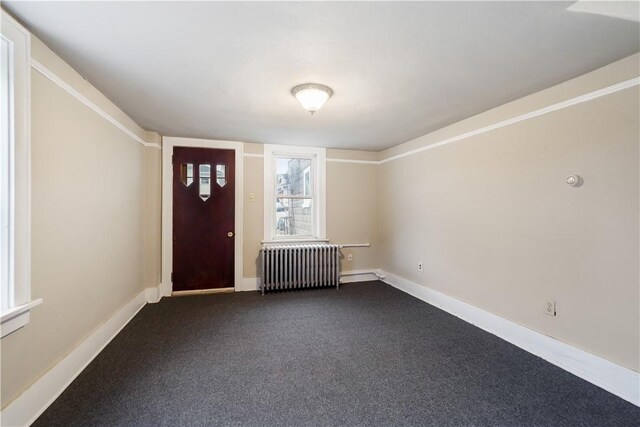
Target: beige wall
x,y
352,214
87,224
351,207
497,227
253,220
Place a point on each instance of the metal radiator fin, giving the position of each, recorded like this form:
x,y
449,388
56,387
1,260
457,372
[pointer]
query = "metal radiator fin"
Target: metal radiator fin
x,y
299,266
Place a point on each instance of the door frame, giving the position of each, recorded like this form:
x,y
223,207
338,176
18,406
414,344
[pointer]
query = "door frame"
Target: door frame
x,y
168,143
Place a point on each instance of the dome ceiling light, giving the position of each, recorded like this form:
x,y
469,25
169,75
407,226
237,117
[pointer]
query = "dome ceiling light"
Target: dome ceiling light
x,y
312,96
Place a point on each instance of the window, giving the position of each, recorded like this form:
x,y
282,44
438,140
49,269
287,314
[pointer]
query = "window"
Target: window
x,y
294,193
15,213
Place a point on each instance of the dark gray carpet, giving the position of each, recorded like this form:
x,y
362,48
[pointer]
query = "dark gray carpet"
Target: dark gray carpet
x,y
367,354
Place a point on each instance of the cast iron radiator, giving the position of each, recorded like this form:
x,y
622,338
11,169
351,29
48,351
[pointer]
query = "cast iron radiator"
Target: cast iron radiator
x,y
300,266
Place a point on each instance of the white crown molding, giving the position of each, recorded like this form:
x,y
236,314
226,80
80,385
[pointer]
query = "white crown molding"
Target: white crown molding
x,y
366,162
539,112
362,162
622,382
64,85
28,406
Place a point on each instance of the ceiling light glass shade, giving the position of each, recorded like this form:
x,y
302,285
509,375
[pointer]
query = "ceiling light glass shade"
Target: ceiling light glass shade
x,y
312,96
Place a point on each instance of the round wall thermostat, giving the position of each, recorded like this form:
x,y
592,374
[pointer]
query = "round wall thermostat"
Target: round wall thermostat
x,y
574,180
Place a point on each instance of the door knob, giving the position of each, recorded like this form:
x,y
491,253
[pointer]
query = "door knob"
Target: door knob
x,y
230,234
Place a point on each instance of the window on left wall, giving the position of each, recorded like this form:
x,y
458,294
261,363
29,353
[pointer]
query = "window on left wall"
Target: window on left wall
x,y
15,181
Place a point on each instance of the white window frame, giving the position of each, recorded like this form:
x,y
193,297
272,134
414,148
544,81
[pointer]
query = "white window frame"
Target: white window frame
x,y
306,173
318,159
16,249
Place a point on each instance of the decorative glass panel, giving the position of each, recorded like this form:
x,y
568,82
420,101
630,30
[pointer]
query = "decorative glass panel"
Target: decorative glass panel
x,y
221,175
290,176
205,181
186,173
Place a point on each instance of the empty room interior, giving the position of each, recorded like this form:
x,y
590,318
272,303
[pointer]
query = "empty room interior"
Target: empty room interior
x,y
423,213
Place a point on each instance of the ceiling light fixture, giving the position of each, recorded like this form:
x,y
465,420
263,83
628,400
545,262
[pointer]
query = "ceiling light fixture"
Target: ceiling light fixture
x,y
312,96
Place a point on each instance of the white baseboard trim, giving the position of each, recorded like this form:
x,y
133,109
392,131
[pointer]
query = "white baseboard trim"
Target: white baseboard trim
x,y
165,289
27,407
153,295
253,283
622,382
249,284
353,276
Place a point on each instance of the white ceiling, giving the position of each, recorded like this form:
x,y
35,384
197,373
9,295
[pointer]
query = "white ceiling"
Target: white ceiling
x,y
398,70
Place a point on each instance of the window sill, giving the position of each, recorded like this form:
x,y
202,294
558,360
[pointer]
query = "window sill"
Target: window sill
x,y
15,318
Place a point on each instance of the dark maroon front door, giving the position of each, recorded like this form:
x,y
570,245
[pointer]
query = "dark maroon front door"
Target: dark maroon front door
x,y
203,218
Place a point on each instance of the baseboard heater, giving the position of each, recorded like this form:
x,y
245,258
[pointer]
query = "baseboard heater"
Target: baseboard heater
x,y
299,266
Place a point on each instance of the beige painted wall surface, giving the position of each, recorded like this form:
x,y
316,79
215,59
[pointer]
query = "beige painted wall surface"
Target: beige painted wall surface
x,y
87,232
252,148
351,211
496,225
253,210
352,214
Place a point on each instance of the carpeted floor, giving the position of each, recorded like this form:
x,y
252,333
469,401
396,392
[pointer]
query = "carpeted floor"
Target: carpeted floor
x,y
367,354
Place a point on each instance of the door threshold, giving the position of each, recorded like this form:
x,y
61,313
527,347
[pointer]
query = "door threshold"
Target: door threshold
x,y
203,292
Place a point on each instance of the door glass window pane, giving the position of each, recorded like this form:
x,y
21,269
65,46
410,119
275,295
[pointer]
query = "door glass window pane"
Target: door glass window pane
x,y
186,173
205,181
221,175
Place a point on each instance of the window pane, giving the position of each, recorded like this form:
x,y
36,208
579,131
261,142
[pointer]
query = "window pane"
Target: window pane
x,y
186,173
294,217
221,175
205,181
290,177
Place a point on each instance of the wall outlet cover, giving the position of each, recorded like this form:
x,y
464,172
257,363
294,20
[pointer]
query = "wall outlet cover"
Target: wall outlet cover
x,y
550,308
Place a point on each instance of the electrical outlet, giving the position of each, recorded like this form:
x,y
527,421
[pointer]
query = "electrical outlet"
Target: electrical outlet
x,y
420,267
550,308
350,257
